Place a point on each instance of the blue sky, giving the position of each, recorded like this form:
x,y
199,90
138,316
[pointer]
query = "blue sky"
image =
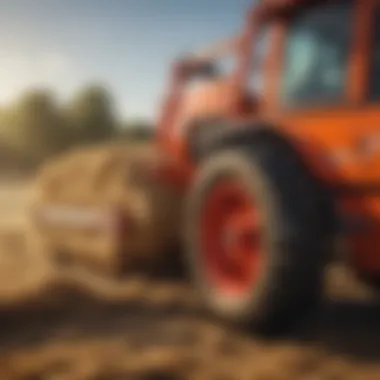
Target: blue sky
x,y
126,44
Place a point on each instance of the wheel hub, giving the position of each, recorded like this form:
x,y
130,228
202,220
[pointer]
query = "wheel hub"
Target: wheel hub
x,y
231,238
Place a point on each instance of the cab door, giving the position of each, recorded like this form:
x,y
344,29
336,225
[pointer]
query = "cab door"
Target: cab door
x,y
326,92
328,95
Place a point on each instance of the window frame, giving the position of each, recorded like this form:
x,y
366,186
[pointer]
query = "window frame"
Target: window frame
x,y
371,45
357,77
317,101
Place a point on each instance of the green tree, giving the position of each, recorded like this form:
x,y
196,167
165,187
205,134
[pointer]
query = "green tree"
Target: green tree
x,y
91,115
34,126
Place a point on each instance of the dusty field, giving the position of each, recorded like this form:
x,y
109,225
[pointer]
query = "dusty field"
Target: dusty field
x,y
70,325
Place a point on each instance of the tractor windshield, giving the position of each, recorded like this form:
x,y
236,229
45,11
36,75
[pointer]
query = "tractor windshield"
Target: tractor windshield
x,y
317,55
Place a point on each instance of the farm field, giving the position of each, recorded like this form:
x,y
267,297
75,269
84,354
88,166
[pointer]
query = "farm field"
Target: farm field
x,y
69,324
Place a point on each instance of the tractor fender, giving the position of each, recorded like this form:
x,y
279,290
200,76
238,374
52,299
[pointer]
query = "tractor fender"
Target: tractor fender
x,y
207,139
208,135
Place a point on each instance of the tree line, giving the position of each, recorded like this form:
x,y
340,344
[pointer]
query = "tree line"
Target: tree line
x,y
36,126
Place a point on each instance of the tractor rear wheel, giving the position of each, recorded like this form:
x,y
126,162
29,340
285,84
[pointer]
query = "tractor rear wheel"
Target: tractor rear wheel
x,y
255,238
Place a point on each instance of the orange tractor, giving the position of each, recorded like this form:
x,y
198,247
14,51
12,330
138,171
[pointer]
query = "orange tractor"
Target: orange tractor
x,y
272,181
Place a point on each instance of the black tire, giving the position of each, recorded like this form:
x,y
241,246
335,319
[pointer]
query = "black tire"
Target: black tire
x,y
295,236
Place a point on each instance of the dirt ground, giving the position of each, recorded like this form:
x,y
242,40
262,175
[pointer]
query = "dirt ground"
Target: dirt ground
x,y
68,324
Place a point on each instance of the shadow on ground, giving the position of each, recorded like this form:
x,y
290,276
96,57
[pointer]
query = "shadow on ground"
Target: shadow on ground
x,y
341,327
344,328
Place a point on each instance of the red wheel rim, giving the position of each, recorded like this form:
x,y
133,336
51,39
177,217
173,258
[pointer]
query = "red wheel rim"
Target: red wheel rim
x,y
231,240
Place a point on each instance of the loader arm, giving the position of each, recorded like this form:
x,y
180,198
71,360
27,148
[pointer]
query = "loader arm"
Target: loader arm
x,y
183,70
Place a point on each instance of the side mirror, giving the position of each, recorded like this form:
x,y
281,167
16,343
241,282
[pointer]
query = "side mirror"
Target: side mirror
x,y
197,68
206,69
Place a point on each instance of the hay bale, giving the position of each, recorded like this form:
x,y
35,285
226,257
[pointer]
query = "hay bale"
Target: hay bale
x,y
113,181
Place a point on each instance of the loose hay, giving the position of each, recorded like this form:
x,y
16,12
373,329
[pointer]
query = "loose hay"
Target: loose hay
x,y
115,181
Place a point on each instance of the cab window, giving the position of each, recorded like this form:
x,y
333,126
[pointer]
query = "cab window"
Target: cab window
x,y
374,74
317,53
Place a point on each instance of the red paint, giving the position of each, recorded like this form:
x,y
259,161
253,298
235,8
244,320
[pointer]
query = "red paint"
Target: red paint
x,y
231,239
